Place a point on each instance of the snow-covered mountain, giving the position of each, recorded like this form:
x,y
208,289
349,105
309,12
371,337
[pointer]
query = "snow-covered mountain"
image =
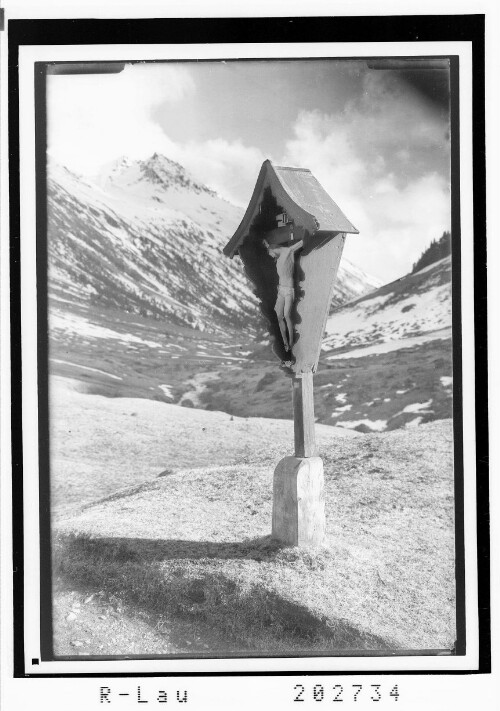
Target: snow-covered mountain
x,y
391,351
352,282
417,307
145,237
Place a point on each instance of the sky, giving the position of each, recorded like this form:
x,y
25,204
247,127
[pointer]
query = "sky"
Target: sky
x,y
376,139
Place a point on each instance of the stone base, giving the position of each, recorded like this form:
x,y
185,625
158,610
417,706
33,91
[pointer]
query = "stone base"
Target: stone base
x,y
299,502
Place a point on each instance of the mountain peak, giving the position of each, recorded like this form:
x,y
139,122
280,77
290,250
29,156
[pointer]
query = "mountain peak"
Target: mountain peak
x,y
164,171
158,170
160,160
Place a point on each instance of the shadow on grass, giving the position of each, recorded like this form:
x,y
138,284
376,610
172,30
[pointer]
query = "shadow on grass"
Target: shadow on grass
x,y
180,577
144,549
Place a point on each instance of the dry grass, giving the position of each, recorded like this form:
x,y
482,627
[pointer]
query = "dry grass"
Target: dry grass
x,y
195,542
100,444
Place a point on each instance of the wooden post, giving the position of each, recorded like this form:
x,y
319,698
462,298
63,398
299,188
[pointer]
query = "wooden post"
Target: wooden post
x,y
298,488
299,502
303,415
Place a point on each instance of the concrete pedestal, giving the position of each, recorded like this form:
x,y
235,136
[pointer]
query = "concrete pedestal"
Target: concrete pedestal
x,y
299,501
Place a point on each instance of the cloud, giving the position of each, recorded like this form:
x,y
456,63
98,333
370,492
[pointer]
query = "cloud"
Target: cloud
x,y
389,114
380,156
373,159
231,168
92,119
398,224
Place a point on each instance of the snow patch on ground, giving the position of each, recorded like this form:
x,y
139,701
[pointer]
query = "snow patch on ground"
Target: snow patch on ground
x,y
446,381
72,323
167,391
414,307
339,410
417,407
218,357
389,346
85,367
375,425
198,386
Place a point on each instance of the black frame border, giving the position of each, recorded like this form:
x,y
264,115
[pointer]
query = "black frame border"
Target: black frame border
x,y
278,30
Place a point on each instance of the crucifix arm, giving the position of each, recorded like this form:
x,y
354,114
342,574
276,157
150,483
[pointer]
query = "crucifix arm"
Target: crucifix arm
x,y
297,246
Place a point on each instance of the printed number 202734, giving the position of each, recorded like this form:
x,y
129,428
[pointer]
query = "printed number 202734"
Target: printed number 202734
x,y
339,693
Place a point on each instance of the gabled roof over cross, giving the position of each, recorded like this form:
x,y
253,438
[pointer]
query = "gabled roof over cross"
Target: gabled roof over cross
x,y
303,198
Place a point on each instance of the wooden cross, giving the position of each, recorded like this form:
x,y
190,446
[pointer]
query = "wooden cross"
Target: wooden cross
x,y
303,415
289,204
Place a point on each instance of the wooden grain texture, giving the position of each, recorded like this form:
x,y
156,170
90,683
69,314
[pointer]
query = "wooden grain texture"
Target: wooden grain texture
x,y
303,415
318,270
299,502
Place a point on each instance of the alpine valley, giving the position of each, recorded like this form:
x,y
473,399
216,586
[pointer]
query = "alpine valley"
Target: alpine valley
x,y
142,303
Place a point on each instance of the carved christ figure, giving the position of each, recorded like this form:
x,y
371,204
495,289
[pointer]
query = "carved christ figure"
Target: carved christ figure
x,y
285,266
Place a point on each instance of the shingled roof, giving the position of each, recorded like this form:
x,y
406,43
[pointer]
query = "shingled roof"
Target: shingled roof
x,y
301,195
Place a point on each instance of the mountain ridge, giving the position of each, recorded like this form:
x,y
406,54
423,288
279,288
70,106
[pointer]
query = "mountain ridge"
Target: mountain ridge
x,y
147,237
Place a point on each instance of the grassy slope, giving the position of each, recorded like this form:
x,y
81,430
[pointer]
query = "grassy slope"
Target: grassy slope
x,y
196,542
97,442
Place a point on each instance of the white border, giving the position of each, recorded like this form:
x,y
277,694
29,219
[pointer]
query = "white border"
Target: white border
x,y
28,279
6,597
229,8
